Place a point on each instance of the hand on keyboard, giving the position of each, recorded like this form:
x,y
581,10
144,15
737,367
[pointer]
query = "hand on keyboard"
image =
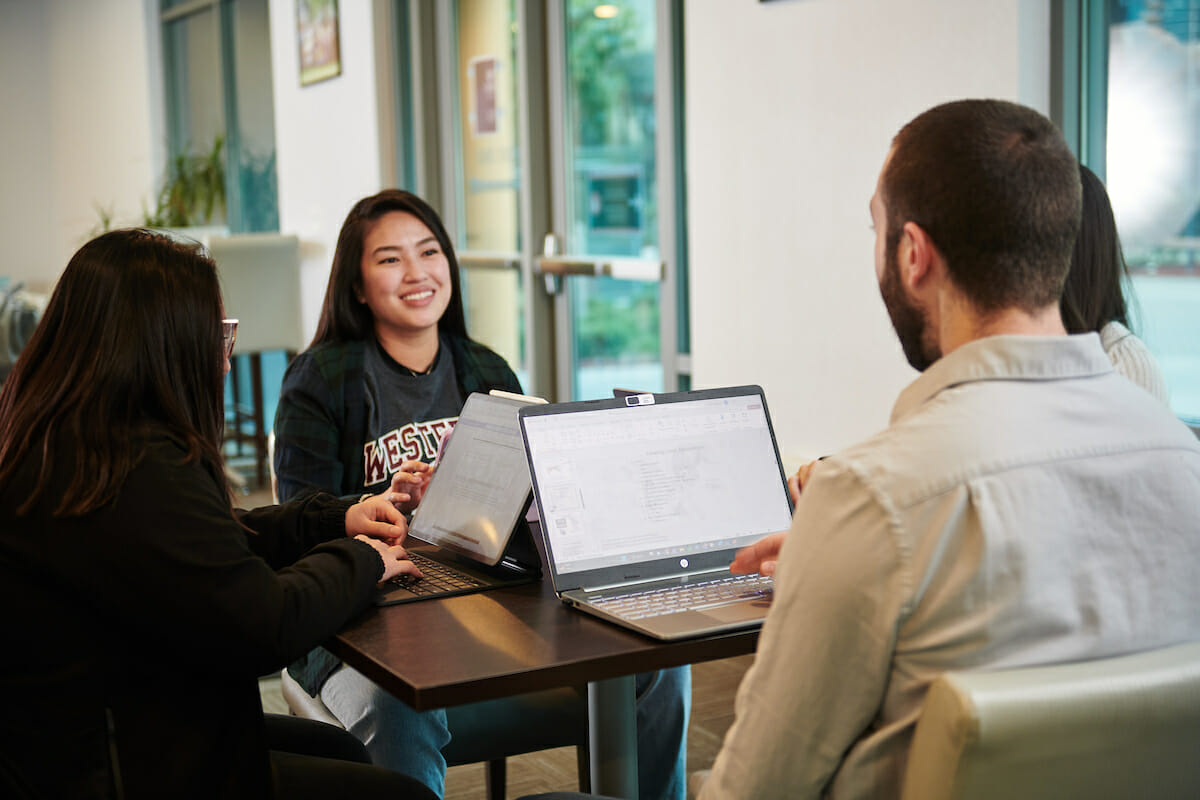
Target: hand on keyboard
x,y
435,578
759,557
395,559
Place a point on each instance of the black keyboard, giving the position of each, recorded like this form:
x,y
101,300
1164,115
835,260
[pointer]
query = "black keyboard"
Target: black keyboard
x,y
438,579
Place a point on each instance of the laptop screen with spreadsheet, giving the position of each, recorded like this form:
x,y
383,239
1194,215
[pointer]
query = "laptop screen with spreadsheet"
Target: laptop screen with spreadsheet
x,y
653,485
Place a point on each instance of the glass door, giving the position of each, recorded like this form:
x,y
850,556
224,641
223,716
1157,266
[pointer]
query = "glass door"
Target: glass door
x,y
553,117
604,246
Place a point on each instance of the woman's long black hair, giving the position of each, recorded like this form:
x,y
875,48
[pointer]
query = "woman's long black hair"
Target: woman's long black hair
x,y
1094,293
130,340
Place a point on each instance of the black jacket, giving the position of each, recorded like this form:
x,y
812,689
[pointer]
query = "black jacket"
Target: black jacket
x,y
134,636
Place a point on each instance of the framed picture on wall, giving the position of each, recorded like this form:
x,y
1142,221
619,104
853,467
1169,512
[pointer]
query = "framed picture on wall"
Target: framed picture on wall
x,y
317,34
482,74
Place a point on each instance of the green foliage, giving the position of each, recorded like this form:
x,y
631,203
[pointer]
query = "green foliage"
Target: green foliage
x,y
611,69
193,192
599,52
105,222
622,325
317,8
613,130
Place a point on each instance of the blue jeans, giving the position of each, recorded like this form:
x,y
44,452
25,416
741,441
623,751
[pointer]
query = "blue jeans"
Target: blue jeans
x,y
408,741
664,702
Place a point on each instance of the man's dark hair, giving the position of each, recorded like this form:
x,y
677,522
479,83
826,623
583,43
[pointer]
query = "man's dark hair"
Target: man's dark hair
x,y
343,318
1094,295
995,187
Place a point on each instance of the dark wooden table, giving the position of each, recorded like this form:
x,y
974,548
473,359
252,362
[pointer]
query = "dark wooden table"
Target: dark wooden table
x,y
509,641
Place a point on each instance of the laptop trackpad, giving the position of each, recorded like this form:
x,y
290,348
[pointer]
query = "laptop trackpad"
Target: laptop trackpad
x,y
738,612
710,620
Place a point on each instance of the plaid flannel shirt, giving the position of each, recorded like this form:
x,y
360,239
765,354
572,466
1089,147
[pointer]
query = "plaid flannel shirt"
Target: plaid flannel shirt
x,y
320,425
321,419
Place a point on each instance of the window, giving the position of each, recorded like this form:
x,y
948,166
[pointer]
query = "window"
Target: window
x,y
1137,98
219,113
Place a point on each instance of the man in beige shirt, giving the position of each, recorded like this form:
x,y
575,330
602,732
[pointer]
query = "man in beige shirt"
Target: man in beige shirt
x,y
1026,505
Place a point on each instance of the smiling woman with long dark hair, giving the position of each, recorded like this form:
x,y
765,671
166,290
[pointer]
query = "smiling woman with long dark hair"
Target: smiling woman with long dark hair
x,y
139,607
362,410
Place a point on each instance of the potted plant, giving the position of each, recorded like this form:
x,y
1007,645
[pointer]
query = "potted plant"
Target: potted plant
x,y
191,199
193,193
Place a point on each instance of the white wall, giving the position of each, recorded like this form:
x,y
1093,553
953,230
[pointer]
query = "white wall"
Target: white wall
x,y
26,204
78,129
327,138
83,127
791,106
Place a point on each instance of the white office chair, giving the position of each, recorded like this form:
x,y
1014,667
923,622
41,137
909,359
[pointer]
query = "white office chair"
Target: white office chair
x,y
1123,727
260,282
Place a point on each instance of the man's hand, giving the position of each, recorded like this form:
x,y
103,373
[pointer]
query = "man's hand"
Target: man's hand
x,y
759,557
377,518
408,485
797,481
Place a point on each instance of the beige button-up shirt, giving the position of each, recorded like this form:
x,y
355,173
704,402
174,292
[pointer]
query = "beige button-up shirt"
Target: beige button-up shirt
x,y
1026,505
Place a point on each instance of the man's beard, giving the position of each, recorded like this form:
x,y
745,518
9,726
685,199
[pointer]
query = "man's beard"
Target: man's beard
x,y
910,321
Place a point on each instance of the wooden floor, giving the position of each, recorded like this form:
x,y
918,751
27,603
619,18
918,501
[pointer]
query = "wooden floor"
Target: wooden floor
x,y
713,686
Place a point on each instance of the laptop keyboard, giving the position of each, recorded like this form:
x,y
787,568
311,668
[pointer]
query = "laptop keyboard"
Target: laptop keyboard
x,y
687,597
438,579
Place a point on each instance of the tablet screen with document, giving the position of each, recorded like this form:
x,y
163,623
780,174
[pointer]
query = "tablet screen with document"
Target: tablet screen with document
x,y
481,486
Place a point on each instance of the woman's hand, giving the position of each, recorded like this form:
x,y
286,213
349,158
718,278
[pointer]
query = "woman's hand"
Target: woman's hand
x,y
395,559
377,522
408,485
377,518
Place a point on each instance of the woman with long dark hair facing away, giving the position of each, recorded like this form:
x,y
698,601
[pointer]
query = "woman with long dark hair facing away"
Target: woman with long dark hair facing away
x,y
361,411
1093,297
139,607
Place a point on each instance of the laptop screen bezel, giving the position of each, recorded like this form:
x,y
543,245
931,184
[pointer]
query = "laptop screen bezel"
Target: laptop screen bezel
x,y
669,566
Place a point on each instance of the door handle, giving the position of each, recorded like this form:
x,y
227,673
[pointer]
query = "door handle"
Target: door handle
x,y
628,269
485,259
553,263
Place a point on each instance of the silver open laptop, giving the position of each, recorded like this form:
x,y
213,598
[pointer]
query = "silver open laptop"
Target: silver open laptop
x,y
645,499
469,531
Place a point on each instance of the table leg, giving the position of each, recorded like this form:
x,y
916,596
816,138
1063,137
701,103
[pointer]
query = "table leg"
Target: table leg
x,y
612,734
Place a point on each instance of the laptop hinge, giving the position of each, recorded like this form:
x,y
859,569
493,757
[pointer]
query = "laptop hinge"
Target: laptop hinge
x,y
516,565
